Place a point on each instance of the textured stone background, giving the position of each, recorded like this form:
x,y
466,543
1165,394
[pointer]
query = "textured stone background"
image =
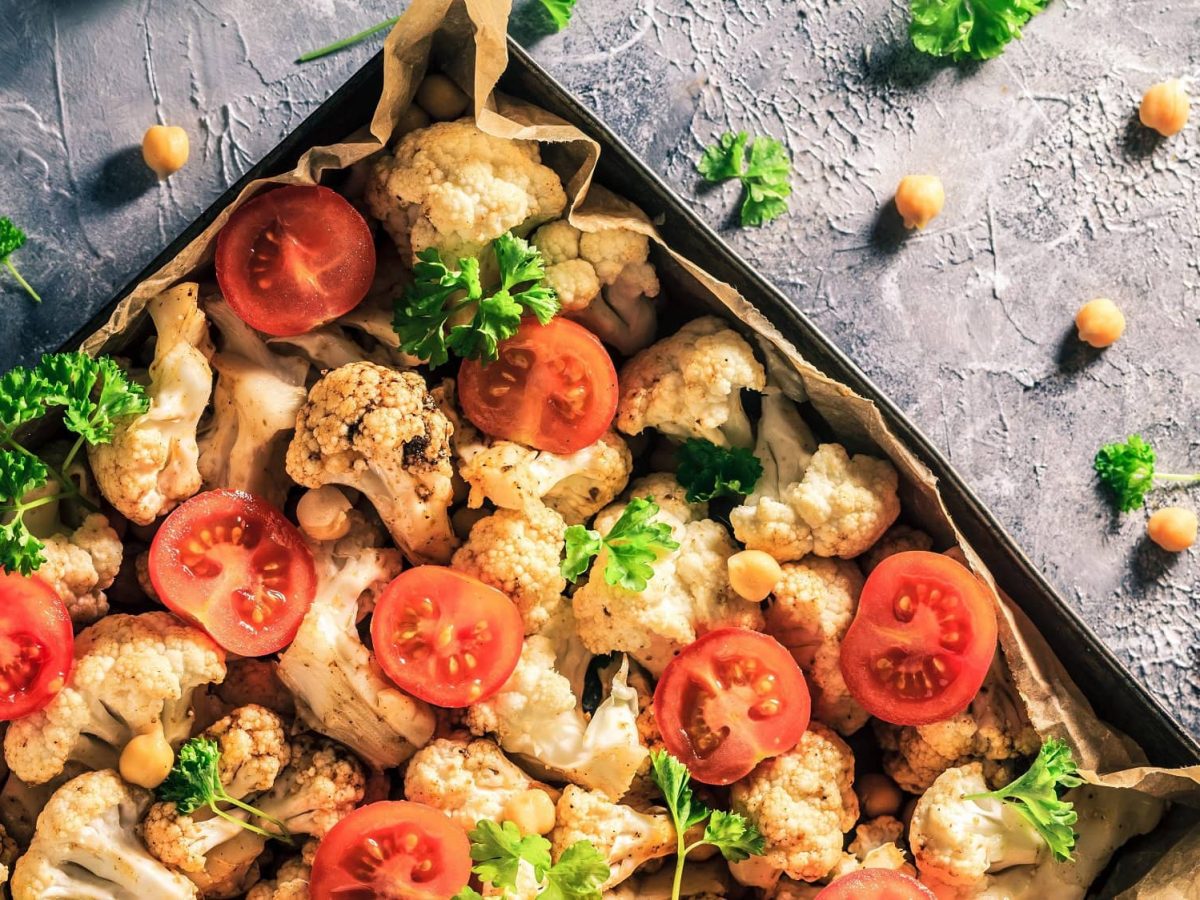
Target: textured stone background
x,y
1055,196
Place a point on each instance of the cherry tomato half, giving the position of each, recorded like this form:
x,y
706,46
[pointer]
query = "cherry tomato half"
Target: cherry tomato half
x,y
554,387
37,646
729,701
876,884
231,563
446,637
391,850
294,258
921,641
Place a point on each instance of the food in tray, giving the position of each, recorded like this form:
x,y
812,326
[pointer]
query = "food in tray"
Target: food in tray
x,y
513,582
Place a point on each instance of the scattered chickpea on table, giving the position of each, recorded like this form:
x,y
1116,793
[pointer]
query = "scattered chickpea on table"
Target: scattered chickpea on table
x,y
1173,528
1165,107
165,149
919,199
1100,322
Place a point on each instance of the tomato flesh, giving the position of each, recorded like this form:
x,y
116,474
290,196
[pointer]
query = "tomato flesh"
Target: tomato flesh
x,y
391,850
37,645
730,700
921,641
876,884
446,637
294,258
553,387
234,565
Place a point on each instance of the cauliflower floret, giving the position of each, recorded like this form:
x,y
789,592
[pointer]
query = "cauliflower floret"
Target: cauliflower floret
x,y
876,845
517,552
625,837
689,385
802,802
216,853
291,881
813,607
670,495
255,403
468,780
454,188
897,539
151,464
688,595
131,673
536,715
86,846
322,785
379,431
338,686
994,730
82,565
701,881
254,749
603,280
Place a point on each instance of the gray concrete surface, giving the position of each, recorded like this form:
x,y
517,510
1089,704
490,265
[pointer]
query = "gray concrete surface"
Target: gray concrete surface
x,y
1055,195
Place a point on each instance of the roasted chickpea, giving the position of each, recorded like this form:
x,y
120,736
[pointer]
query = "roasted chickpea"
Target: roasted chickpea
x,y
1100,322
531,811
1173,528
147,759
753,574
411,119
877,795
165,149
919,199
441,98
1165,107
323,513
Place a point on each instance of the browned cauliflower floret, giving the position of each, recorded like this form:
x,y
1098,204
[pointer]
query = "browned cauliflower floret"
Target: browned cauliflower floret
x,y
82,565
453,188
254,749
379,431
876,845
291,880
897,539
518,552
625,837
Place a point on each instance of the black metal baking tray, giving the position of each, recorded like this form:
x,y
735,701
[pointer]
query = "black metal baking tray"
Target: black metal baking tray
x,y
1116,695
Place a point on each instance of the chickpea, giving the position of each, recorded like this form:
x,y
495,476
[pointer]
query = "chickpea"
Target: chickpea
x,y
441,98
532,811
1100,322
919,199
147,759
1165,107
165,149
411,119
1172,528
877,795
753,574
323,513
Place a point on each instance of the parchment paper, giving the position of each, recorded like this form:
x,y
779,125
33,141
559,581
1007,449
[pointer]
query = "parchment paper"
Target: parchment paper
x,y
466,39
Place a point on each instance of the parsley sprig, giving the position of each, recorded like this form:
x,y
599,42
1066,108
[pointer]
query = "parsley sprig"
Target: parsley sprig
x,y
967,28
93,395
429,317
709,471
559,11
765,174
12,239
498,851
729,832
1036,797
195,781
633,543
1127,470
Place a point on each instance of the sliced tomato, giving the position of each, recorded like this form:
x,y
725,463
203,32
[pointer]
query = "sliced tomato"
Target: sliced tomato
x,y
391,850
921,640
294,258
730,700
876,884
554,387
37,645
446,637
231,563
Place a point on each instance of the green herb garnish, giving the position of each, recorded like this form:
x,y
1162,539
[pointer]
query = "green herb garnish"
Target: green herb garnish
x,y
346,42
765,175
1127,469
498,851
633,543
709,471
978,29
559,11
12,239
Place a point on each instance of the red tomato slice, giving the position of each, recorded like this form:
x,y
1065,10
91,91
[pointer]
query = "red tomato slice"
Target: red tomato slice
x,y
446,637
554,387
921,641
37,646
231,563
391,850
729,701
876,884
294,258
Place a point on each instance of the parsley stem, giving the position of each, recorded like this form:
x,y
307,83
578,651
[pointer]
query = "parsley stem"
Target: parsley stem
x,y
284,834
346,42
1170,476
72,453
681,853
21,281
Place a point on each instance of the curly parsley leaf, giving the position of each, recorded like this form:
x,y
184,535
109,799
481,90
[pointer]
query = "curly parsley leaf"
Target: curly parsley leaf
x,y
978,29
447,311
560,12
1036,797
765,173
633,543
72,379
499,850
12,239
20,473
735,837
709,471
580,872
1128,471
